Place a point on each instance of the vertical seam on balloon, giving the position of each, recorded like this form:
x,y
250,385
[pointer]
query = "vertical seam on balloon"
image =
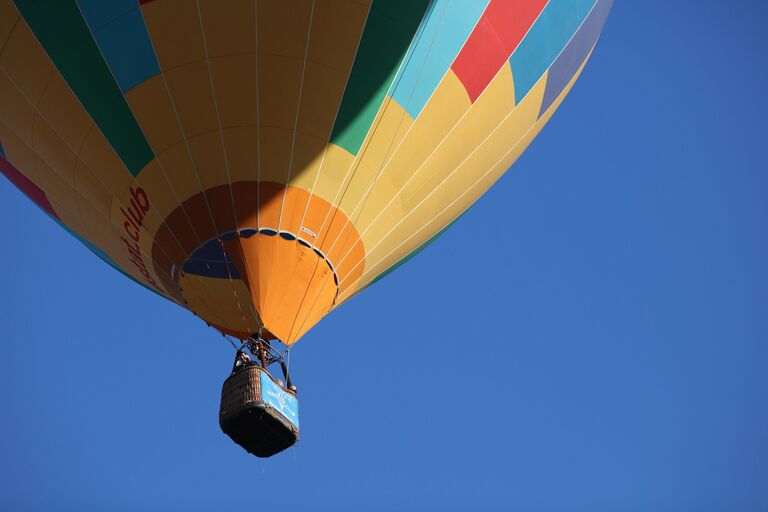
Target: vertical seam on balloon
x,y
293,147
258,128
226,162
298,112
330,132
10,32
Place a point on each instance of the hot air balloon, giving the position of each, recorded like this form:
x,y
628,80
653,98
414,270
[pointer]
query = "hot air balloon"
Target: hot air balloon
x,y
261,162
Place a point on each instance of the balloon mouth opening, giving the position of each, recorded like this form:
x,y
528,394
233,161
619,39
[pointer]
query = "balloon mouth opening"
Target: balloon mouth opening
x,y
277,282
211,258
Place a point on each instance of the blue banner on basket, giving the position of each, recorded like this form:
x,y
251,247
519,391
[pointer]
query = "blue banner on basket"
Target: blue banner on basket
x,y
285,403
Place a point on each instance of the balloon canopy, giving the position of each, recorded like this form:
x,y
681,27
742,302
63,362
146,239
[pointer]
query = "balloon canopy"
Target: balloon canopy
x,y
260,162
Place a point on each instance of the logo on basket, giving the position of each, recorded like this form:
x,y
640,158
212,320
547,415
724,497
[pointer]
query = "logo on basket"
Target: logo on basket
x,y
281,401
276,397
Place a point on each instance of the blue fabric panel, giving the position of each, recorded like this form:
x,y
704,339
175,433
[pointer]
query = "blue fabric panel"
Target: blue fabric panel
x,y
575,53
119,30
445,29
548,36
211,261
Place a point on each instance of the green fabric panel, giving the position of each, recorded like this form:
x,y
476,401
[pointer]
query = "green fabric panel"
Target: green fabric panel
x,y
388,33
414,252
63,33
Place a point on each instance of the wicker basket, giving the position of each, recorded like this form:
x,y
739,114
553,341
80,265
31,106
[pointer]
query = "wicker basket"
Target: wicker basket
x,y
249,420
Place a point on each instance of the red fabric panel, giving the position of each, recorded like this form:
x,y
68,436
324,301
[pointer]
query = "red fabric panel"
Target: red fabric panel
x,y
498,32
24,184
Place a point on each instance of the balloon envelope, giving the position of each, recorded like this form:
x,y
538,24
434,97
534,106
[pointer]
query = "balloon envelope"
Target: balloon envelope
x,y
259,163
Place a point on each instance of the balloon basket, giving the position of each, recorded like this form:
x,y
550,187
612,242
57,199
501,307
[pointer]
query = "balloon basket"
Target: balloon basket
x,y
257,413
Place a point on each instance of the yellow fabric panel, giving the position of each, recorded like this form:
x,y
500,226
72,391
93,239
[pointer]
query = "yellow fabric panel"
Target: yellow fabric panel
x,y
102,231
242,152
320,97
398,240
234,78
54,152
217,300
73,220
334,36
153,110
98,154
163,200
335,164
446,106
336,31
174,27
171,26
283,27
190,88
307,155
337,27
279,81
229,27
208,156
92,190
180,171
62,110
275,145
15,111
9,16
390,125
321,82
469,190
485,114
25,62
17,152
54,185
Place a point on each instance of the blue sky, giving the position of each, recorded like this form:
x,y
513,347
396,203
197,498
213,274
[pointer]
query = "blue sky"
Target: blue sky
x,y
603,347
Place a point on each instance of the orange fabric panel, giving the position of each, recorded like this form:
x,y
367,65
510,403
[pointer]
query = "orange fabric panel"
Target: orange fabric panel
x,y
285,280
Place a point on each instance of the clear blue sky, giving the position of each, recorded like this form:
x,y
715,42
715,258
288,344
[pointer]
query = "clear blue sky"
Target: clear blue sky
x,y
615,324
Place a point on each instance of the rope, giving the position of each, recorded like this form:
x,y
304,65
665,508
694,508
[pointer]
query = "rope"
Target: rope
x,y
232,284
